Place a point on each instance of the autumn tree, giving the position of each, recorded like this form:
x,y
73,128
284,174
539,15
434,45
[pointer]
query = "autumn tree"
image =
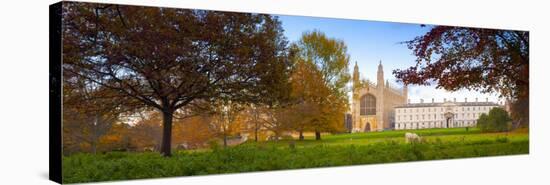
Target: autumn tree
x,y
193,132
172,59
253,120
277,119
86,118
147,131
228,119
308,89
487,60
328,56
118,138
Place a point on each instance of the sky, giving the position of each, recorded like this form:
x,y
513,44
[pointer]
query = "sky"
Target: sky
x,y
371,42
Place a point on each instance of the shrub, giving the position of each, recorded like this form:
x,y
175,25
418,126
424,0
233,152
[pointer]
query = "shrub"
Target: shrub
x,y
498,120
214,144
502,139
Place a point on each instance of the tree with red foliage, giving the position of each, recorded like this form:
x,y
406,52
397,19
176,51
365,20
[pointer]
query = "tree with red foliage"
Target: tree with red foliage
x,y
487,60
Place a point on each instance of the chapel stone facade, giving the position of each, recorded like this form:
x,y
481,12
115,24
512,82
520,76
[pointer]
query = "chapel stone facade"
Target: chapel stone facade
x,y
373,105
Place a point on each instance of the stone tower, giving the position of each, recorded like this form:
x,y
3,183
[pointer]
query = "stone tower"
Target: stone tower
x,y
355,95
356,82
380,101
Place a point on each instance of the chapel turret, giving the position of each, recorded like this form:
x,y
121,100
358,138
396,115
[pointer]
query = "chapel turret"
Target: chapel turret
x,y
380,75
355,76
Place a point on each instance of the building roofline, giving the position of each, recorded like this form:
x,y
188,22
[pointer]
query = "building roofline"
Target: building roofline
x,y
437,104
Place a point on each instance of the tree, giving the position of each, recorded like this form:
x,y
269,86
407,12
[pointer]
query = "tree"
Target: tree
x,y
174,59
86,118
253,120
497,121
328,56
118,138
193,132
483,122
276,119
147,131
488,60
227,120
308,89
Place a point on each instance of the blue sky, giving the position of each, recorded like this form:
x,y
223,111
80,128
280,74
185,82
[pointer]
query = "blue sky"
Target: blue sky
x,y
369,42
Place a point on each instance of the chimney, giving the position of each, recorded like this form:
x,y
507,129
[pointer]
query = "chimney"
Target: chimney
x,y
421,100
409,101
433,101
444,100
454,99
486,99
476,99
465,99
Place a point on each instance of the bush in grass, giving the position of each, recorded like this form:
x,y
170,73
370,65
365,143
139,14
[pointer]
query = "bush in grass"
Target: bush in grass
x,y
498,120
214,145
502,139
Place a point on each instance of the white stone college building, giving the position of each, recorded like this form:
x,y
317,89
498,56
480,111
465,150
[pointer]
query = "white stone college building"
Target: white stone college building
x,y
444,114
377,107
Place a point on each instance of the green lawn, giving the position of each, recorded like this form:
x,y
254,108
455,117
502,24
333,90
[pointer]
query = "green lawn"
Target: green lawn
x,y
333,150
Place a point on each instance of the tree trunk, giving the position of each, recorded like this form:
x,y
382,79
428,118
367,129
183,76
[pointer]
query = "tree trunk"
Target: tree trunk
x,y
166,146
301,137
317,135
224,140
256,125
256,134
94,135
94,147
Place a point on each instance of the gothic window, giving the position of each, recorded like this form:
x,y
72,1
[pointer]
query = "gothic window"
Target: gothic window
x,y
368,105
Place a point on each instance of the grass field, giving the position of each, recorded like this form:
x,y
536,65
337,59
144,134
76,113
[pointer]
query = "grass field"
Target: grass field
x,y
333,150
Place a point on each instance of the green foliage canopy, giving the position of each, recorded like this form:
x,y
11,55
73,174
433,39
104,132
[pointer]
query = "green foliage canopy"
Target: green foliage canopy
x,y
497,120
